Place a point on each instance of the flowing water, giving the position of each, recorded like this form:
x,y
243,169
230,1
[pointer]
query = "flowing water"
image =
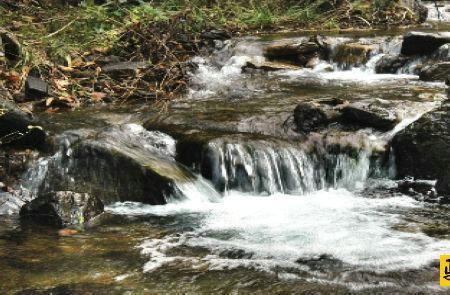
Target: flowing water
x,y
259,208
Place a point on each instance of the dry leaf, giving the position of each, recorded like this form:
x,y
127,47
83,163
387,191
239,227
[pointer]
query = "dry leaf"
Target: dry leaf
x,y
98,96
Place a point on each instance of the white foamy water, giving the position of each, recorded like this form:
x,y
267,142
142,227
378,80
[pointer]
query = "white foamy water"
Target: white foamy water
x,y
439,12
277,230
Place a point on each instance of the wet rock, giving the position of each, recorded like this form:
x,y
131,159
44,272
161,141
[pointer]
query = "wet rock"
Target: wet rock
x,y
311,116
352,54
390,64
124,163
36,88
18,128
413,187
300,53
419,43
268,66
378,114
11,46
422,150
435,72
124,69
62,209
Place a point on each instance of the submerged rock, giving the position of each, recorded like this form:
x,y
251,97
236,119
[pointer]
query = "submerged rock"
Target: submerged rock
x,y
435,72
18,128
62,209
422,150
419,43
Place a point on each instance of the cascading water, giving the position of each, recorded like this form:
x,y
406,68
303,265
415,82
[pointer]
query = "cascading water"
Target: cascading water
x,y
317,210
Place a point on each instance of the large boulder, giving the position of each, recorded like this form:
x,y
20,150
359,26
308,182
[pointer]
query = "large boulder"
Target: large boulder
x,y
63,209
419,43
435,72
117,164
422,150
18,128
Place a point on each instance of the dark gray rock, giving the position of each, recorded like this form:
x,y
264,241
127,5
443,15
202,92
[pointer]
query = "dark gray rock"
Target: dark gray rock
x,y
435,72
18,128
62,209
11,46
419,43
216,35
124,163
378,114
36,88
422,150
390,64
312,116
121,69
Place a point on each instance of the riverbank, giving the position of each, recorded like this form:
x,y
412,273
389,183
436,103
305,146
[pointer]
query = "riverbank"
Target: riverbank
x,y
81,53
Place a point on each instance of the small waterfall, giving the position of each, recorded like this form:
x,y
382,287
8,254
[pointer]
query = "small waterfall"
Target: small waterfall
x,y
264,167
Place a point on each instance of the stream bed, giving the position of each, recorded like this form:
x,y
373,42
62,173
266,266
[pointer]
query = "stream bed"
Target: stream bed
x,y
262,213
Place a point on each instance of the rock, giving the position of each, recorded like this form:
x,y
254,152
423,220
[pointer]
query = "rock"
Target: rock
x,y
418,187
268,66
435,72
390,64
352,54
62,209
18,128
311,116
419,43
300,53
12,48
378,114
216,35
118,164
422,150
121,69
36,88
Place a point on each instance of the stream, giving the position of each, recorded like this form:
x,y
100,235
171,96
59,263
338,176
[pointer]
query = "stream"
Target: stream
x,y
254,206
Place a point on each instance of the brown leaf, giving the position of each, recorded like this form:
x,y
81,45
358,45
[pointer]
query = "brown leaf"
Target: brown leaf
x,y
98,96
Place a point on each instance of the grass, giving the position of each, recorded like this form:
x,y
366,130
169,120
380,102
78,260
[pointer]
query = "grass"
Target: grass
x,y
52,34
